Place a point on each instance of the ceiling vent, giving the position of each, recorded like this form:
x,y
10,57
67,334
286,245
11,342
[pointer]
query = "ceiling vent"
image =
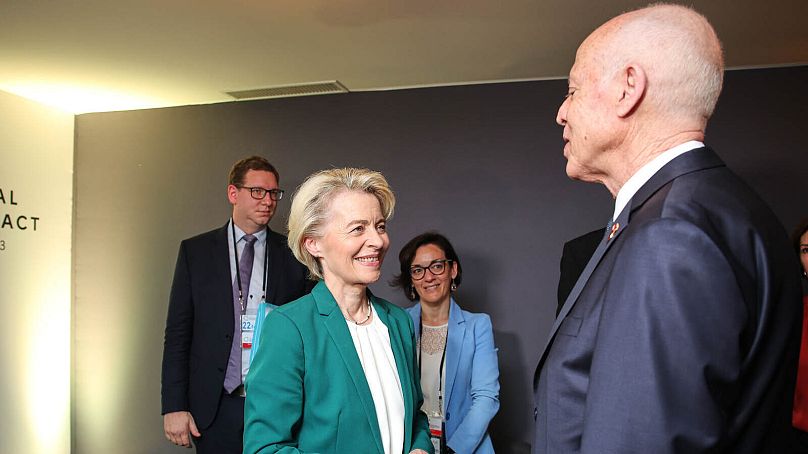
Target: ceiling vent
x,y
282,91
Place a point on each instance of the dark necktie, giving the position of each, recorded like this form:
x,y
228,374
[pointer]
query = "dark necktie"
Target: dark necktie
x,y
245,265
232,378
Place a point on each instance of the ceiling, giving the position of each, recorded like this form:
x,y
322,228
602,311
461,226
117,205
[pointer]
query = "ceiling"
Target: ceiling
x,y
97,55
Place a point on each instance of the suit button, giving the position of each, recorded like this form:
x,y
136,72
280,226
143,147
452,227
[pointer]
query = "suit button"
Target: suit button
x,y
228,336
535,413
221,369
447,415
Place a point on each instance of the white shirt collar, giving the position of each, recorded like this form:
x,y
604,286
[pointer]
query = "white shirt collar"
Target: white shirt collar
x,y
647,171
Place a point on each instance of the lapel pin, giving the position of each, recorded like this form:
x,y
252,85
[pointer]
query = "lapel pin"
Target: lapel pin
x,y
615,228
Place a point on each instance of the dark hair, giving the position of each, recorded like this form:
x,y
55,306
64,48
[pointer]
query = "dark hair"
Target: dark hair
x,y
802,227
239,169
407,254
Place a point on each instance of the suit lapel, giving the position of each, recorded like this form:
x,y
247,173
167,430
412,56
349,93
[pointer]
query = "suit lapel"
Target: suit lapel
x,y
338,331
403,366
694,160
605,243
416,310
454,348
220,261
275,265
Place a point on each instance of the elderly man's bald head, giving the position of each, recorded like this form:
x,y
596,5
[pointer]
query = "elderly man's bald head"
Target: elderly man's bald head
x,y
676,47
642,83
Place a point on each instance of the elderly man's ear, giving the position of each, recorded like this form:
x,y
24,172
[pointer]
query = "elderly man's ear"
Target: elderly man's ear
x,y
632,84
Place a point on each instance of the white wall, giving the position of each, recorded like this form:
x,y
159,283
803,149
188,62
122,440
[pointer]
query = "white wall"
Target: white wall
x,y
36,180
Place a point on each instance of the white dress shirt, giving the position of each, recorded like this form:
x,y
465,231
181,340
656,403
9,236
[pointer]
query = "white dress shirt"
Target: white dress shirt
x,y
646,172
254,293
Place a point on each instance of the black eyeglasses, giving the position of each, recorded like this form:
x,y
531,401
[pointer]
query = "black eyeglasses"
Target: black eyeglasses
x,y
437,267
259,193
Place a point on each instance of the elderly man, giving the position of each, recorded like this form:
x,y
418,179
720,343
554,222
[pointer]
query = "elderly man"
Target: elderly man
x,y
681,335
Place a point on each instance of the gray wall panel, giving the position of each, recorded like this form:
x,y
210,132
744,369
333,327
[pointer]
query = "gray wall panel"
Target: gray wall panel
x,y
482,164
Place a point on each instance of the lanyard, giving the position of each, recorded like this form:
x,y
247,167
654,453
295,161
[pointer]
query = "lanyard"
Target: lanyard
x,y
241,301
442,360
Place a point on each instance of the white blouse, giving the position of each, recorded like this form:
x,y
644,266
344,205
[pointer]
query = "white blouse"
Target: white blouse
x,y
372,343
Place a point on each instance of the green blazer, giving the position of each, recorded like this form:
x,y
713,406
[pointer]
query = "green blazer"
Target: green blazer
x,y
307,392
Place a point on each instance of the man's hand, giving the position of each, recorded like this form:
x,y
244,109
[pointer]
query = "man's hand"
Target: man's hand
x,y
177,425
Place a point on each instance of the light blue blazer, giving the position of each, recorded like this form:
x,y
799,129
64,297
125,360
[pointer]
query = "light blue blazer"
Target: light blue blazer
x,y
472,379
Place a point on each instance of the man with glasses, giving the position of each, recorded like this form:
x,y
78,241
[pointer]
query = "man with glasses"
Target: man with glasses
x,y
221,279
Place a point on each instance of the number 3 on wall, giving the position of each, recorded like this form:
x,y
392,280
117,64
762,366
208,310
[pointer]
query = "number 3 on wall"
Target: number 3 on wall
x,y
2,245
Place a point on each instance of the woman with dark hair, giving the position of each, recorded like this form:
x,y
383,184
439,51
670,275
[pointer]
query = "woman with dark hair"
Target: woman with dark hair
x,y
800,239
456,354
800,413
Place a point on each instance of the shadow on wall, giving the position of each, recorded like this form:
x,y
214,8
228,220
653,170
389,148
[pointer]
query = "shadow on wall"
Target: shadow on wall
x,y
480,293
507,433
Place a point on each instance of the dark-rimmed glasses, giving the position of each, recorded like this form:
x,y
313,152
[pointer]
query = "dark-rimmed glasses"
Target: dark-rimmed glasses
x,y
259,193
437,267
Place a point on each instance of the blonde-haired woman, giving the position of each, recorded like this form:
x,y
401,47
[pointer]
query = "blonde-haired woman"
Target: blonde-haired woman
x,y
335,372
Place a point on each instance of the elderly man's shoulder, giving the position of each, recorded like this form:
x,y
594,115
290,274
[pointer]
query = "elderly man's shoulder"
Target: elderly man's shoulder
x,y
712,204
706,195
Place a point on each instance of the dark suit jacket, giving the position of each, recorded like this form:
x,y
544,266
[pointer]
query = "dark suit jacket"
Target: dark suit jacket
x,y
199,326
575,256
682,335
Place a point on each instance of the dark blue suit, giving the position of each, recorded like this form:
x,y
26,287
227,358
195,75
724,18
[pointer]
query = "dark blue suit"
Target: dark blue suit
x,y
682,334
199,326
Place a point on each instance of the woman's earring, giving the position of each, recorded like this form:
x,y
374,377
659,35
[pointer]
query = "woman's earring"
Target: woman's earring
x,y
454,286
412,292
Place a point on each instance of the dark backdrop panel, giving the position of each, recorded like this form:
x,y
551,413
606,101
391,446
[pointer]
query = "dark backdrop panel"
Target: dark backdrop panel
x,y
482,164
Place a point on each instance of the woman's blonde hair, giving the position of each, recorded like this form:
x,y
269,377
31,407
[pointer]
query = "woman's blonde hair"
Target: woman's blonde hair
x,y
313,198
